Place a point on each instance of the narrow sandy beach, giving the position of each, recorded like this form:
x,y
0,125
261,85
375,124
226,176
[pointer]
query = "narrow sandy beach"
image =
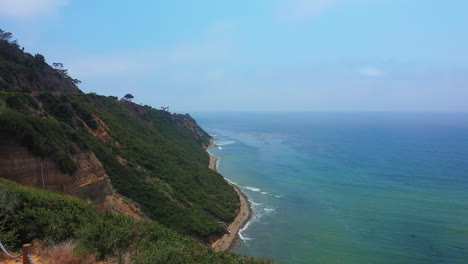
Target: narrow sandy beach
x,y
228,241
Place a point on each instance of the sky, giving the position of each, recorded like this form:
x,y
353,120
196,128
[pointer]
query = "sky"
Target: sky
x,y
256,55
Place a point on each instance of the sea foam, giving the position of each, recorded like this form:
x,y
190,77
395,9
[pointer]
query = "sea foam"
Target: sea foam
x,y
253,189
231,182
254,203
255,218
244,238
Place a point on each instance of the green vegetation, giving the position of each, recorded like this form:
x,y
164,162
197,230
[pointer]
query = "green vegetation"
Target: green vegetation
x,y
28,214
22,71
151,156
197,132
166,169
45,137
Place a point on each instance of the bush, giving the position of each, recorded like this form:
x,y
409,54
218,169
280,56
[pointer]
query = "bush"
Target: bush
x,y
108,236
84,114
22,102
33,214
57,107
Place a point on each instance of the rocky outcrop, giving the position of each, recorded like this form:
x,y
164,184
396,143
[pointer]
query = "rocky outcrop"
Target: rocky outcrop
x,y
102,133
187,122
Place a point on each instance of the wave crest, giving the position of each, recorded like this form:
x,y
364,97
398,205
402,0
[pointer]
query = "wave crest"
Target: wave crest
x,y
253,189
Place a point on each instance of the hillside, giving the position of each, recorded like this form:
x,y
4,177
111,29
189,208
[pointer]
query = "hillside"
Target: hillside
x,y
21,71
54,136
28,214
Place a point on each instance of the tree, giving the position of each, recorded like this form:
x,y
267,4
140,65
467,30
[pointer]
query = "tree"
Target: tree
x,y
39,59
5,35
128,97
15,43
60,69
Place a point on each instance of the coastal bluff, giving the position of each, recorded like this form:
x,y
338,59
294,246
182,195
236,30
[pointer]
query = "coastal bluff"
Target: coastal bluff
x,y
124,157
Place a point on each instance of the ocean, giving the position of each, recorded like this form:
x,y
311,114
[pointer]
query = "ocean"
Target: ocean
x,y
348,187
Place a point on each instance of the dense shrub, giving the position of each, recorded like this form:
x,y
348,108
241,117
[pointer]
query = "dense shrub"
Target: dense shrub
x,y
108,235
20,101
29,214
57,107
84,114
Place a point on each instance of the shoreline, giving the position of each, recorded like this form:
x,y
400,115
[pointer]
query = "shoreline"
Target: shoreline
x,y
229,241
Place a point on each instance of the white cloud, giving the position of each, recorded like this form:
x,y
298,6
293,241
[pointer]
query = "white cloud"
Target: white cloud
x,y
371,72
27,9
299,10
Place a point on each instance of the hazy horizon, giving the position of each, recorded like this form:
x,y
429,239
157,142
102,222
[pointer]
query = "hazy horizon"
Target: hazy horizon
x,y
281,55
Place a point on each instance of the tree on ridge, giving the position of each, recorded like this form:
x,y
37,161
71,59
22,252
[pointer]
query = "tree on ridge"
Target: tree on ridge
x,y
128,97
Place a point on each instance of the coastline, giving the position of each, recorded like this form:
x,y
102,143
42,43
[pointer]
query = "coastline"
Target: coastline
x,y
229,241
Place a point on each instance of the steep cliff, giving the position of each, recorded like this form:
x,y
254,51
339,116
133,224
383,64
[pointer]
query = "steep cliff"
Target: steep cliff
x,y
102,149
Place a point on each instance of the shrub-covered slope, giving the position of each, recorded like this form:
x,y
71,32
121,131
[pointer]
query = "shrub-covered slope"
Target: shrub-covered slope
x,y
28,214
151,156
20,71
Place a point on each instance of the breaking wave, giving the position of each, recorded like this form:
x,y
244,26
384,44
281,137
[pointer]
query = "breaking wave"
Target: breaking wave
x,y
253,189
254,203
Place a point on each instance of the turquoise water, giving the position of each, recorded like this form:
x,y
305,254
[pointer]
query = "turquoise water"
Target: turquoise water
x,y
349,188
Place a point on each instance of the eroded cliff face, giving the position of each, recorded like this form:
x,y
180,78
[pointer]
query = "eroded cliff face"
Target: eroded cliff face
x,y
19,164
90,182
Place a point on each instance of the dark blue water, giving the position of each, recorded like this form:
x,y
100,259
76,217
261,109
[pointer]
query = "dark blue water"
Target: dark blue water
x,y
349,188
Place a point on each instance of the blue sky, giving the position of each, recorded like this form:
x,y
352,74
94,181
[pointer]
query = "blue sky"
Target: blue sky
x,y
295,55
